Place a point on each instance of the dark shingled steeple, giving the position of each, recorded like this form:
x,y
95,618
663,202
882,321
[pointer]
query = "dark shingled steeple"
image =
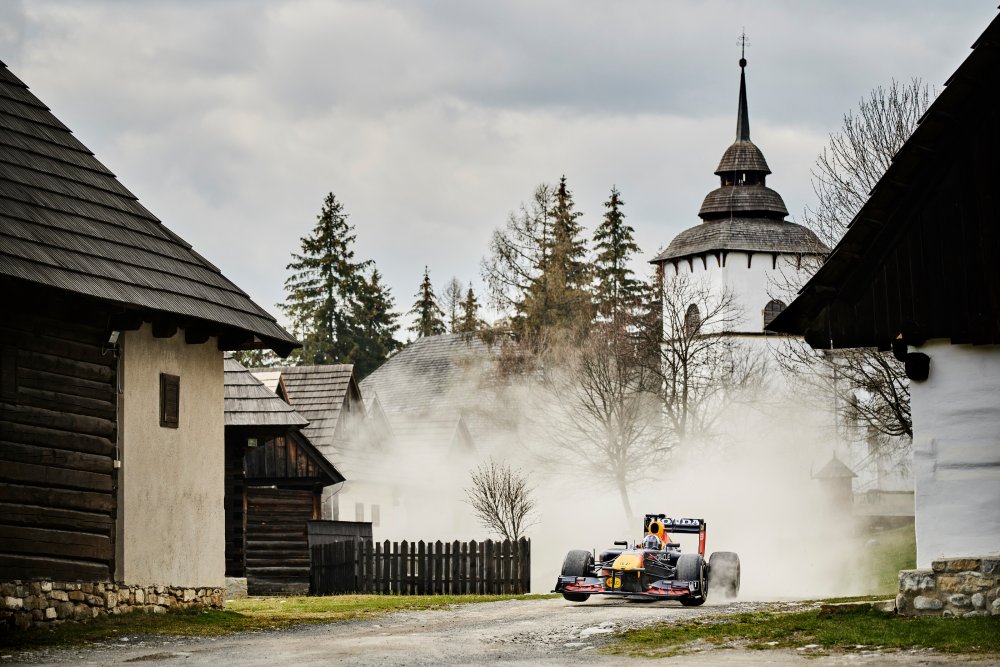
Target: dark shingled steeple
x,y
743,171
743,214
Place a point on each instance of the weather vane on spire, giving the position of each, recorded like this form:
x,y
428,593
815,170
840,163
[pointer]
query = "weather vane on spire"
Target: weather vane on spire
x,y
744,43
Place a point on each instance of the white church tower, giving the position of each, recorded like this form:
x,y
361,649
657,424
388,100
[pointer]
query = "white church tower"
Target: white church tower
x,y
743,246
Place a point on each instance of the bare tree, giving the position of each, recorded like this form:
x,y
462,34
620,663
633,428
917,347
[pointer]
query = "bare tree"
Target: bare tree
x,y
601,411
871,387
702,368
452,297
519,253
501,499
857,156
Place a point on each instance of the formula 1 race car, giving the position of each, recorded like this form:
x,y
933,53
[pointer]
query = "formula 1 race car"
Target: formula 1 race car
x,y
653,569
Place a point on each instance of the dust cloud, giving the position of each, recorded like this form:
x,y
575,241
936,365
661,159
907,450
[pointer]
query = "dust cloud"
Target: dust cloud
x,y
752,485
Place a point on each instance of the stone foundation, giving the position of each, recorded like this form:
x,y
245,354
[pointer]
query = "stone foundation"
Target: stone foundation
x,y
27,603
952,587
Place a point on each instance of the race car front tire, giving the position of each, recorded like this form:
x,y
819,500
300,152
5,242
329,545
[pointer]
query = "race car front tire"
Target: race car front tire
x,y
691,567
578,563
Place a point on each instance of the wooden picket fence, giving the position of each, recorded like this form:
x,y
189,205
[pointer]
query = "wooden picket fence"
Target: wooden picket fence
x,y
421,568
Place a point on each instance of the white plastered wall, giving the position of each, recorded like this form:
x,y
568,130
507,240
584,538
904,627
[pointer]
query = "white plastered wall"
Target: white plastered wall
x,y
956,443
172,479
753,280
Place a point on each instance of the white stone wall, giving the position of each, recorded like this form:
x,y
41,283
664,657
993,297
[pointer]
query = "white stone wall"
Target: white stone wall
x,y
956,441
172,479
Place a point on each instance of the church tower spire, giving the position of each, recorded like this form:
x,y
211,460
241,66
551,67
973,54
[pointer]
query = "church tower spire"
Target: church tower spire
x,y
743,172
742,118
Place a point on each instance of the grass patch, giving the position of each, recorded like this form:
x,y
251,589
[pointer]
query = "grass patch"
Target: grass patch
x,y
249,615
892,551
842,631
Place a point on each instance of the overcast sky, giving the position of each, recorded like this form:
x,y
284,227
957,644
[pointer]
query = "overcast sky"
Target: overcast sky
x,y
432,120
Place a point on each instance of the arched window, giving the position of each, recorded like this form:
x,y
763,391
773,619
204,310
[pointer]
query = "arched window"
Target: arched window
x,y
771,310
692,320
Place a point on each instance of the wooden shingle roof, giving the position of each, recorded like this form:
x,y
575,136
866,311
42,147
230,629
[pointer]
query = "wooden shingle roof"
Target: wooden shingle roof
x,y
745,234
250,403
743,201
319,394
66,222
425,375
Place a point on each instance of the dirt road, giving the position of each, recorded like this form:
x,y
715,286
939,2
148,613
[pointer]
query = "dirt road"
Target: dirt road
x,y
535,632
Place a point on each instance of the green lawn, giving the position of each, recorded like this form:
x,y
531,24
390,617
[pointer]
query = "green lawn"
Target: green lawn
x,y
892,551
240,616
845,630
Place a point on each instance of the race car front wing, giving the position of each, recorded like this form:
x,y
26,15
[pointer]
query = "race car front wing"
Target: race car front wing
x,y
659,589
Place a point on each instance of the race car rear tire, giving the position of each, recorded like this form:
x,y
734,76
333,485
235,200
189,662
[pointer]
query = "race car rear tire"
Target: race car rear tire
x,y
691,567
578,563
577,597
724,574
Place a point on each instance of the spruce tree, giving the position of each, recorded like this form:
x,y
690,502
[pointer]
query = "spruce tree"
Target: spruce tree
x,y
565,303
616,291
322,290
430,318
378,325
469,321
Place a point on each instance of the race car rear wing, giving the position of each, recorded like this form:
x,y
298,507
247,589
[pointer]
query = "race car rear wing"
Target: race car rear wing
x,y
692,526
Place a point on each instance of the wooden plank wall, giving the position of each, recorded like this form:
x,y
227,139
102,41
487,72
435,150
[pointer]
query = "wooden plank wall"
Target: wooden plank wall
x,y
58,430
277,547
280,458
419,568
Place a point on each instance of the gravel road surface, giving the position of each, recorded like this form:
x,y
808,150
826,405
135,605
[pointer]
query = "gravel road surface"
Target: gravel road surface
x,y
530,632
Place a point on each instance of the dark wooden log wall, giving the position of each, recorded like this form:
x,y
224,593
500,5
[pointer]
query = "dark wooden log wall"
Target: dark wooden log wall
x,y
277,547
58,430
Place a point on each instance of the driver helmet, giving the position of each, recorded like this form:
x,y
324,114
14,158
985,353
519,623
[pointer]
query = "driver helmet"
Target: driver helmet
x,y
652,542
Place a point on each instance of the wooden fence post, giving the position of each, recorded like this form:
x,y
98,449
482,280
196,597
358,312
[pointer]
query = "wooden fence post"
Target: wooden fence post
x,y
474,576
488,563
525,580
438,568
421,567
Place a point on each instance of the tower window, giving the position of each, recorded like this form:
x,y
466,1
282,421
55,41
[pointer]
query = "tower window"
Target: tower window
x,y
771,310
692,320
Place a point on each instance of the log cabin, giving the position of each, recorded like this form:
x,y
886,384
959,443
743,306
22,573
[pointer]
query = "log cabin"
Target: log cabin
x,y
111,386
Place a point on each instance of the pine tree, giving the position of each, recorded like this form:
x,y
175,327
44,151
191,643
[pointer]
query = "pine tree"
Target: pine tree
x,y
564,303
616,292
322,291
469,321
430,318
378,325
